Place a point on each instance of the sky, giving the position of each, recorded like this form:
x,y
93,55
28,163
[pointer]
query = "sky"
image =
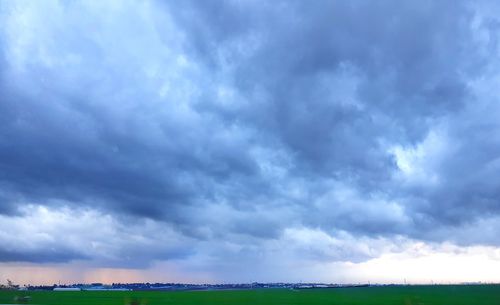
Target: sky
x,y
241,141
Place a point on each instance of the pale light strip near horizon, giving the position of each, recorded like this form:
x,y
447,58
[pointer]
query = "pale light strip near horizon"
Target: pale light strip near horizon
x,y
444,266
244,141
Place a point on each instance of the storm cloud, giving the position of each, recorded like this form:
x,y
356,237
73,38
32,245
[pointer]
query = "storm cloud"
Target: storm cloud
x,y
204,130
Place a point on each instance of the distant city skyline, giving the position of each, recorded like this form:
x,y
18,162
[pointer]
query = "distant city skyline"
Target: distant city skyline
x,y
249,141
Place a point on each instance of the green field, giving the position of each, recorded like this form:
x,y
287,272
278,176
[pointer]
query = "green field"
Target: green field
x,y
438,295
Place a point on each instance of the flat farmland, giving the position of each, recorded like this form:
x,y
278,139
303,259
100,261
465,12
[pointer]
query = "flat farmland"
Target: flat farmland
x,y
387,295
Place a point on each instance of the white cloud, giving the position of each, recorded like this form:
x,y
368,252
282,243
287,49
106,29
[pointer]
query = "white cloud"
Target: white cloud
x,y
99,237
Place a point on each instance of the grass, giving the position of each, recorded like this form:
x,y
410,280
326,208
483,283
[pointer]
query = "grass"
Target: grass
x,y
403,295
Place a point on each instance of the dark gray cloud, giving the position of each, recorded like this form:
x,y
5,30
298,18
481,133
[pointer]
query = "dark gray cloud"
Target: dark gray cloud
x,y
405,63
49,255
234,121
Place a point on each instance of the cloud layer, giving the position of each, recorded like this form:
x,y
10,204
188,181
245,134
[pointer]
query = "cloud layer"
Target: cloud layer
x,y
222,133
